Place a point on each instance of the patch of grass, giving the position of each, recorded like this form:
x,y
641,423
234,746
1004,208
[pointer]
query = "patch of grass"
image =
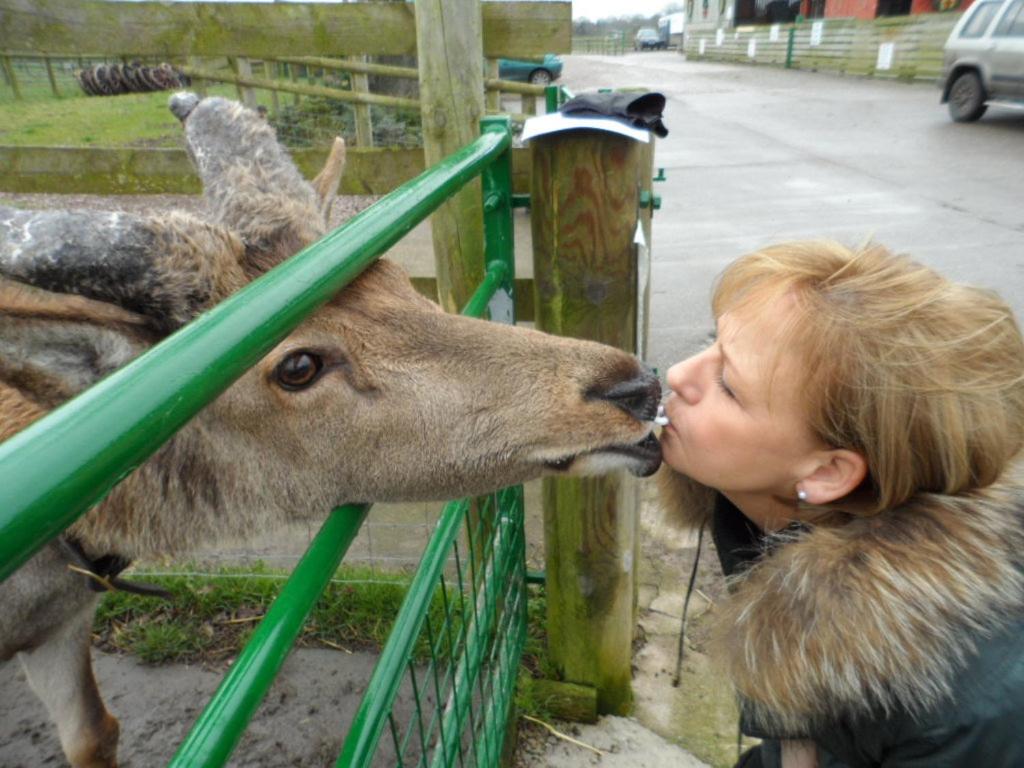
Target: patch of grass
x,y
127,120
536,662
211,616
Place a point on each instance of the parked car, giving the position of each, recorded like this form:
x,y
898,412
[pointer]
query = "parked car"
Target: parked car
x,y
540,72
648,37
984,59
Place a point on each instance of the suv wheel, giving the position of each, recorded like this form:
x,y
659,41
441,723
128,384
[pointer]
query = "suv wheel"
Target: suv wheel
x,y
966,98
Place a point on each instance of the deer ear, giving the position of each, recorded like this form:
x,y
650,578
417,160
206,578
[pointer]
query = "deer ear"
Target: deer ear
x,y
167,269
326,182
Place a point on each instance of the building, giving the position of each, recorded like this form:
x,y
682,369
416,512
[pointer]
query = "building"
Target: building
x,y
781,11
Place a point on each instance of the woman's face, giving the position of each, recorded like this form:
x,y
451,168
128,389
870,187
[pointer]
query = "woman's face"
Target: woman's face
x,y
737,424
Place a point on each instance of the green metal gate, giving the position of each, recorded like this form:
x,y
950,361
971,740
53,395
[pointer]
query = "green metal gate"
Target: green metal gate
x,y
459,670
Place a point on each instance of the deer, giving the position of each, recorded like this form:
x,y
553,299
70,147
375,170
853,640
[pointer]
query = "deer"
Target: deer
x,y
379,396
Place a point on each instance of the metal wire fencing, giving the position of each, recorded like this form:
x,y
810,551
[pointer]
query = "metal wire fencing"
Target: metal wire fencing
x,y
442,689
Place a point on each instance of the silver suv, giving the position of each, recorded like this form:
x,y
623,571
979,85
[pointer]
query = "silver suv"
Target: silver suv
x,y
984,59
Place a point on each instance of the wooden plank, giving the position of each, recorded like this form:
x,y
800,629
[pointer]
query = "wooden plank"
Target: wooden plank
x,y
353,64
309,90
261,30
123,171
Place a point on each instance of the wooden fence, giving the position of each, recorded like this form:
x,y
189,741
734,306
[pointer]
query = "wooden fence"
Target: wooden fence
x,y
608,45
905,47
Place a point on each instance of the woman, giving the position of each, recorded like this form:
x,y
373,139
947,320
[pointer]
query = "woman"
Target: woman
x,y
853,437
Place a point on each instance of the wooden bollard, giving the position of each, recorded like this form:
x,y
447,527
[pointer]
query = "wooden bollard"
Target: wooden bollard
x,y
586,206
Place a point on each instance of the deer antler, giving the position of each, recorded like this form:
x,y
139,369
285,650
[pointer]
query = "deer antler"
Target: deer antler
x,y
167,268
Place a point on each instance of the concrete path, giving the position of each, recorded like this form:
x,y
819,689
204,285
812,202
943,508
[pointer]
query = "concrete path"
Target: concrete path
x,y
758,155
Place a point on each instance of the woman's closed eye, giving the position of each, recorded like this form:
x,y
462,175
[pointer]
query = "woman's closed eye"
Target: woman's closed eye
x,y
720,380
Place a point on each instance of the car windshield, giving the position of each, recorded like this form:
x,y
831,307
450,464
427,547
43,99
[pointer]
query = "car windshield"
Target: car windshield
x,y
646,32
978,23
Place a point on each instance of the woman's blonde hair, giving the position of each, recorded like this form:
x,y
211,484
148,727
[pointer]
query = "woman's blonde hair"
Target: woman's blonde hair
x,y
923,376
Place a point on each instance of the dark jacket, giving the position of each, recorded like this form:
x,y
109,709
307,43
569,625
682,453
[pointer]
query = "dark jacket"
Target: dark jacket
x,y
892,642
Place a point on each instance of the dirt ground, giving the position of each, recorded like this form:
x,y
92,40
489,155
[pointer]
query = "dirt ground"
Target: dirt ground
x,y
304,718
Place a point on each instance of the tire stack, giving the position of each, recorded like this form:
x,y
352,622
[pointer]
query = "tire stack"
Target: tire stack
x,y
112,79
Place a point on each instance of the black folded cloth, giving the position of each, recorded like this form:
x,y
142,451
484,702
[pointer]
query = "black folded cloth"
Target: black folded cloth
x,y
643,111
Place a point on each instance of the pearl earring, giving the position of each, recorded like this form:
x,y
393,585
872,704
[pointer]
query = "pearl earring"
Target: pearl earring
x,y
801,494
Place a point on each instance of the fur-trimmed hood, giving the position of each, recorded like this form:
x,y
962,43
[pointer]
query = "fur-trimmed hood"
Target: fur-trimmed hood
x,y
871,615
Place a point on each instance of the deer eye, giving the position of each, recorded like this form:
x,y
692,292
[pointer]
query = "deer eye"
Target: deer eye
x,y
299,370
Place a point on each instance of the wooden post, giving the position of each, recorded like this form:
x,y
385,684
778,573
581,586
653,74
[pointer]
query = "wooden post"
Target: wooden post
x,y
12,78
364,124
294,79
198,84
233,65
451,64
585,201
493,96
273,70
50,75
243,68
529,103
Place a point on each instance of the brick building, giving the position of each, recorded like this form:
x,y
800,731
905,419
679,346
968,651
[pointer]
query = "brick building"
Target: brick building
x,y
773,11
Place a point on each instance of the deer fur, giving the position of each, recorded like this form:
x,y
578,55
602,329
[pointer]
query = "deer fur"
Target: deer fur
x,y
408,403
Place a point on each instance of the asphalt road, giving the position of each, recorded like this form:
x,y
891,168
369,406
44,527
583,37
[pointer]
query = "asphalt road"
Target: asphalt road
x,y
757,155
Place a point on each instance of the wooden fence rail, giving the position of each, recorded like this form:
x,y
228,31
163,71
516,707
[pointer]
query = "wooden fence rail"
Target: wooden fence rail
x,y
907,48
263,30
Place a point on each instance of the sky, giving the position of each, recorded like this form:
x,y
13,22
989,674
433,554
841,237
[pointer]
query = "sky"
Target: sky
x,y
599,9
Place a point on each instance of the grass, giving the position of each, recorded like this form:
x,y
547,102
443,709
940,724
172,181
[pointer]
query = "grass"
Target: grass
x,y
142,120
138,119
211,616
128,120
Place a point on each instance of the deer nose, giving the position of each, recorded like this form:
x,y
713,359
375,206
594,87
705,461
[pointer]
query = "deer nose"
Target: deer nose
x,y
639,397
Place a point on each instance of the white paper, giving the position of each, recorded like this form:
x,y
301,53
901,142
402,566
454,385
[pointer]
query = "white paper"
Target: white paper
x,y
556,121
817,30
752,48
885,54
773,33
719,36
701,46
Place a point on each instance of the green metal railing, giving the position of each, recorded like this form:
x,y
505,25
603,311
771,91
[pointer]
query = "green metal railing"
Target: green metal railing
x,y
474,563
462,692
139,407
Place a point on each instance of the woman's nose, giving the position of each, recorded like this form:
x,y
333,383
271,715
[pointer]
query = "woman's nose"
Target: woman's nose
x,y
682,379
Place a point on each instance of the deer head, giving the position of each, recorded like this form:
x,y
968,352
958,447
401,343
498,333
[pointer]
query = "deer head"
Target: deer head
x,y
379,396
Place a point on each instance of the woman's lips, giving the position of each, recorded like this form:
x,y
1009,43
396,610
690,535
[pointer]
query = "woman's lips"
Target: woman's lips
x,y
675,419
